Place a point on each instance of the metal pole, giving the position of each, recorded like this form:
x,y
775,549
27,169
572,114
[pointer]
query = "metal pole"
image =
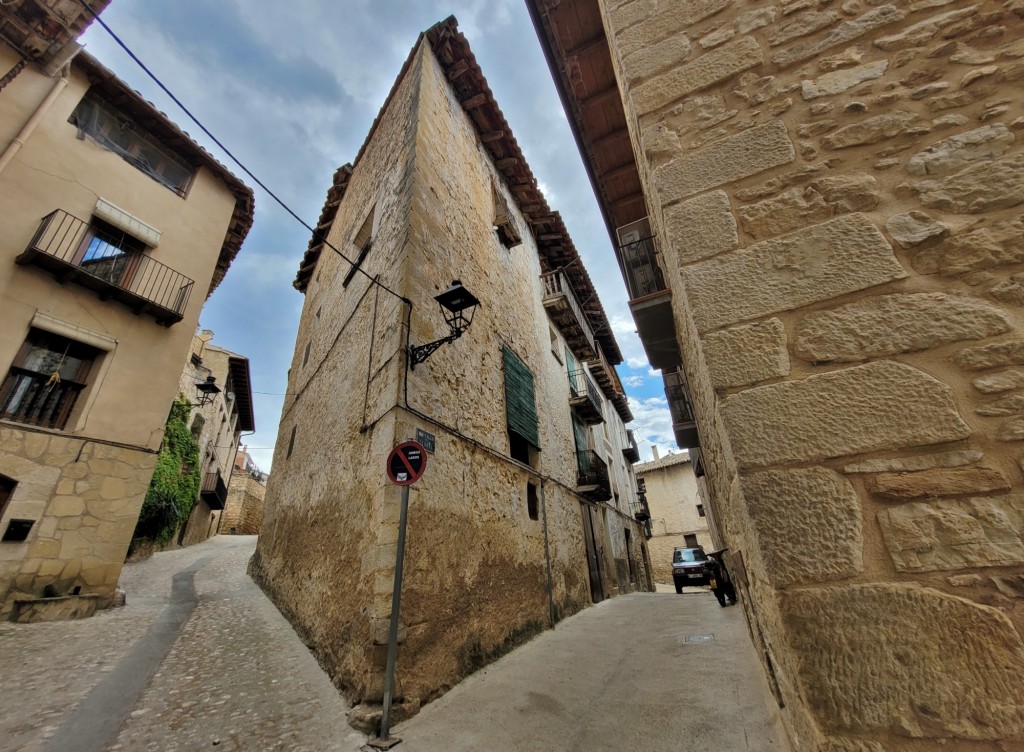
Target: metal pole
x,y
396,604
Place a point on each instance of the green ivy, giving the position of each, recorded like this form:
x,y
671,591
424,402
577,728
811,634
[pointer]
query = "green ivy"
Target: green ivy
x,y
176,479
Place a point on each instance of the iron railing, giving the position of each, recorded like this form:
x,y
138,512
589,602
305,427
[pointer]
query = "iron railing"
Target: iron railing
x,y
631,451
679,404
592,471
104,257
37,399
641,512
640,266
583,388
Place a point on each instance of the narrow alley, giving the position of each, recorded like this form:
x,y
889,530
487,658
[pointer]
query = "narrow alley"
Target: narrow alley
x,y
199,658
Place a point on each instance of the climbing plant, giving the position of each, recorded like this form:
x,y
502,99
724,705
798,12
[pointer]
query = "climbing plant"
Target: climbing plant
x,y
176,479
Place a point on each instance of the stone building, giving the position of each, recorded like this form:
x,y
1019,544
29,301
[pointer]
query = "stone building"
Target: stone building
x,y
243,512
677,516
217,423
523,515
114,229
817,210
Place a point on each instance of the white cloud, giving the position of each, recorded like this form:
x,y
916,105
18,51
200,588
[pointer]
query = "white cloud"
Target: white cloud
x,y
629,342
652,423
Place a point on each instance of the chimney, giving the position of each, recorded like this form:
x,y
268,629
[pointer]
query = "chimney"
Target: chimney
x,y
654,451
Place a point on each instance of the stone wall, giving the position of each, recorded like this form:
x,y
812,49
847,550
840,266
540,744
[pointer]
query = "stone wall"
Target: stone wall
x,y
836,188
481,573
243,513
84,497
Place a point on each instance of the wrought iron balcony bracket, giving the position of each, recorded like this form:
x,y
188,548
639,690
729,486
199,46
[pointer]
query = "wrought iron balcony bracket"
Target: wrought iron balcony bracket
x,y
419,353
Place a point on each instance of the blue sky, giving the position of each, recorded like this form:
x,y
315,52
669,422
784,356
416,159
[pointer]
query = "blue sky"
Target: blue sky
x,y
292,88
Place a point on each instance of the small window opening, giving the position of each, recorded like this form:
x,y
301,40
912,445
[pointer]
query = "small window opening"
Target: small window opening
x,y
291,443
691,541
504,224
363,241
555,349
519,448
6,492
305,355
531,501
700,510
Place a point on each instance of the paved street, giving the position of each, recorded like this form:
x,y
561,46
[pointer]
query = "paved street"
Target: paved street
x,y
200,659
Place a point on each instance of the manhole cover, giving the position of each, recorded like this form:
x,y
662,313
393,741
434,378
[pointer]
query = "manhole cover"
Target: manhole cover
x,y
700,638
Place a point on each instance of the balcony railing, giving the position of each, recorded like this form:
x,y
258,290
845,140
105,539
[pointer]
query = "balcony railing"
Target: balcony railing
x,y
585,397
631,451
74,250
214,491
564,307
640,266
37,399
641,512
592,480
684,421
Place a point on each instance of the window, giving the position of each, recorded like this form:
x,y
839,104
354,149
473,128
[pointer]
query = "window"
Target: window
x,y
197,426
109,253
700,510
291,443
555,349
44,382
691,542
115,130
504,224
305,355
531,501
6,492
520,408
363,241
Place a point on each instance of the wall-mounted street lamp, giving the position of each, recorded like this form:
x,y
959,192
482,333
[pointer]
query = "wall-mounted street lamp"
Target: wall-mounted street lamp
x,y
207,390
457,306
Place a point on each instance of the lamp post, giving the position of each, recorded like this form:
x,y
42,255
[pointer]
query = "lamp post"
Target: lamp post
x,y
207,391
457,306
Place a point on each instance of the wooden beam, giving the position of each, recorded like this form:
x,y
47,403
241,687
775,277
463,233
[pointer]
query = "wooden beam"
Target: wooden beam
x,y
610,138
458,69
585,48
523,188
473,102
550,236
506,162
621,171
492,136
628,199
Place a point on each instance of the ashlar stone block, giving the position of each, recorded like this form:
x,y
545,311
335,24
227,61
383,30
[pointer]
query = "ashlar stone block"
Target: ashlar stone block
x,y
959,481
882,405
956,458
840,34
808,523
890,324
701,227
745,354
878,658
652,59
748,153
955,534
991,356
710,68
843,255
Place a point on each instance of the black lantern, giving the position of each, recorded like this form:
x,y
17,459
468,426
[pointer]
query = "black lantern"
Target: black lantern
x,y
207,391
457,306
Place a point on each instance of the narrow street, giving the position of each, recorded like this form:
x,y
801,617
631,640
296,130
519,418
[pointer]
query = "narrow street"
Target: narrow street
x,y
200,659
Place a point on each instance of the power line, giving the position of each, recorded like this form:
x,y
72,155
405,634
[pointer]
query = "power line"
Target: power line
x,y
236,160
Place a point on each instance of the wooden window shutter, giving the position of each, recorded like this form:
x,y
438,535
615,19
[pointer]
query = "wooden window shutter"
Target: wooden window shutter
x,y
520,405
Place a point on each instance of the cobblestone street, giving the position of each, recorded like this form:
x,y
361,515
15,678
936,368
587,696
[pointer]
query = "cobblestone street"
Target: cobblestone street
x,y
199,659
172,670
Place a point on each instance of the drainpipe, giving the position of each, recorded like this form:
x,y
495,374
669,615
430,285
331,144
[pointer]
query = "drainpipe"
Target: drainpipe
x,y
18,141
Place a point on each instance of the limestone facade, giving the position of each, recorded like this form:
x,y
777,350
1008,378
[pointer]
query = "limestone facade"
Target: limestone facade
x,y
507,532
678,518
835,193
217,427
243,513
91,344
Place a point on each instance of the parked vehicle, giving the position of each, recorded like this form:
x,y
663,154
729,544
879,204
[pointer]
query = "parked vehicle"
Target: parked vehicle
x,y
690,566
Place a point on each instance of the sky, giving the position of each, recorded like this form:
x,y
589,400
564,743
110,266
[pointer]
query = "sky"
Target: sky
x,y
291,89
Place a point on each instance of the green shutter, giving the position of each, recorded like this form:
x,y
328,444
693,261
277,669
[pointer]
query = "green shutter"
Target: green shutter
x,y
520,406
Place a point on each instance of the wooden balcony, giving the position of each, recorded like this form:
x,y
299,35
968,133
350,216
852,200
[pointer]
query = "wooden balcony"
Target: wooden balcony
x,y
214,491
564,308
650,301
74,251
631,451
